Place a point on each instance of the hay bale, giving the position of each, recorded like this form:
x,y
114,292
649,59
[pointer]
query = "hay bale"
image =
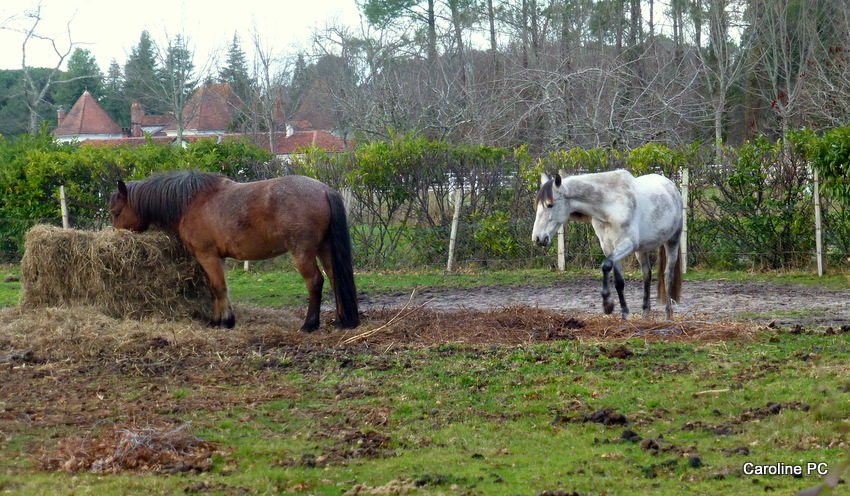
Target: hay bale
x,y
122,274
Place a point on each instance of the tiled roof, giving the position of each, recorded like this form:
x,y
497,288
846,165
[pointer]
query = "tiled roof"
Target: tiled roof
x,y
86,117
160,139
128,141
313,107
215,108
284,145
287,145
211,108
155,120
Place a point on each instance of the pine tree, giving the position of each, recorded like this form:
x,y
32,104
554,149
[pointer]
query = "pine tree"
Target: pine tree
x,y
178,81
141,76
114,102
83,74
235,72
178,73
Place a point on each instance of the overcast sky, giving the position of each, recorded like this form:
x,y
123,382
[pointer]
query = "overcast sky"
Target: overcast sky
x,y
110,28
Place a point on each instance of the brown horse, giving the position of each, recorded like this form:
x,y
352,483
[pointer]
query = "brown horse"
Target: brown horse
x,y
217,218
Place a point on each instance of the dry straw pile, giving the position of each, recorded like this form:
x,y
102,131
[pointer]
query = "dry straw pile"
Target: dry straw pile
x,y
120,273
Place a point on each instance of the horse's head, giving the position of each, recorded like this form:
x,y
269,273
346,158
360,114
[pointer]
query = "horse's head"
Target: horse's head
x,y
123,215
551,209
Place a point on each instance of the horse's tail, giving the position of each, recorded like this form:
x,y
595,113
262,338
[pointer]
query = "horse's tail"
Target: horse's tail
x,y
345,291
676,290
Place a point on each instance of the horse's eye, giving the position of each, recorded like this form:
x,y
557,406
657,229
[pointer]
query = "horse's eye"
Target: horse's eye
x,y
550,205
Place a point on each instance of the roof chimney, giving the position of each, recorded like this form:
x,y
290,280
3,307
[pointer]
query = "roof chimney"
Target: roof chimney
x,y
60,116
137,112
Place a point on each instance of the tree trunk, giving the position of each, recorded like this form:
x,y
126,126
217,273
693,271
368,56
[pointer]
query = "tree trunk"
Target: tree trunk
x,y
432,32
491,16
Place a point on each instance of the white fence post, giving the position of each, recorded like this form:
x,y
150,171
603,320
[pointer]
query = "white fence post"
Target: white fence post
x,y
453,236
818,232
63,203
684,240
346,199
562,256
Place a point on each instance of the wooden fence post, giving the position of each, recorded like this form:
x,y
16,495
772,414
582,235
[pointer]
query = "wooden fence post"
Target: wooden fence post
x,y
63,204
818,231
453,236
346,199
684,240
562,256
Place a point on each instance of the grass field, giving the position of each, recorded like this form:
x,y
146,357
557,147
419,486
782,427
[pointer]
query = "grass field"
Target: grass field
x,y
267,413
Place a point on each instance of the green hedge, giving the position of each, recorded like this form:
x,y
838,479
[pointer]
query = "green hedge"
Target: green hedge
x,y
753,211
33,167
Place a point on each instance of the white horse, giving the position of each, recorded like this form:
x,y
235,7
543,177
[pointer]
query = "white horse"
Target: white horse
x,y
629,215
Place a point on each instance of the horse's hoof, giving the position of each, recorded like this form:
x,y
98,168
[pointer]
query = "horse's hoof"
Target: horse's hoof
x,y
229,322
307,329
625,315
608,308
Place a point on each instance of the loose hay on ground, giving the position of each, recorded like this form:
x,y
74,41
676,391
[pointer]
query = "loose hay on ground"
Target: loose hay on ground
x,y
113,448
520,324
116,271
83,335
92,356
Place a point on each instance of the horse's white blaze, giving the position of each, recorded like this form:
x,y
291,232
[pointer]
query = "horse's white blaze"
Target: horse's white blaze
x,y
547,223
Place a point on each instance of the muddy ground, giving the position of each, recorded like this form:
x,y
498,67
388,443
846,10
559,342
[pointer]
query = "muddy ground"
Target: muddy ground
x,y
68,371
786,305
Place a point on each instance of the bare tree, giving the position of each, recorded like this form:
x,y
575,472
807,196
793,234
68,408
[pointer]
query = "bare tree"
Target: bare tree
x,y
786,37
722,61
179,79
267,107
35,89
827,72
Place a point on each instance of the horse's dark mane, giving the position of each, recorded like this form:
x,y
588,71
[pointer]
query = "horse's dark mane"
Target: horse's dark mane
x,y
162,198
545,194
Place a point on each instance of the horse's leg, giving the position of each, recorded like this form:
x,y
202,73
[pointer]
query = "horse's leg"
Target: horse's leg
x,y
620,285
672,249
222,313
327,264
306,265
607,303
646,271
611,262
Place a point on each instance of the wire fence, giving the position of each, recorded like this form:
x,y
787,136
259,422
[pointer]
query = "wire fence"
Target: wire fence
x,y
502,241
757,211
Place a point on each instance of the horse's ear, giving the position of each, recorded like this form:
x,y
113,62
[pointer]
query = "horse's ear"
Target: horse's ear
x,y
122,188
543,178
557,180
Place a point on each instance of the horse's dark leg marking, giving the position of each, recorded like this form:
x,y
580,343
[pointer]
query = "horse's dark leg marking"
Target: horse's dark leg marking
x,y
612,262
222,313
672,249
607,304
620,284
327,264
646,272
309,270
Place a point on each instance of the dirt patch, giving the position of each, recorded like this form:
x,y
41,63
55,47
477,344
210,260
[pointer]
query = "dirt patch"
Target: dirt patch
x,y
784,304
68,370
